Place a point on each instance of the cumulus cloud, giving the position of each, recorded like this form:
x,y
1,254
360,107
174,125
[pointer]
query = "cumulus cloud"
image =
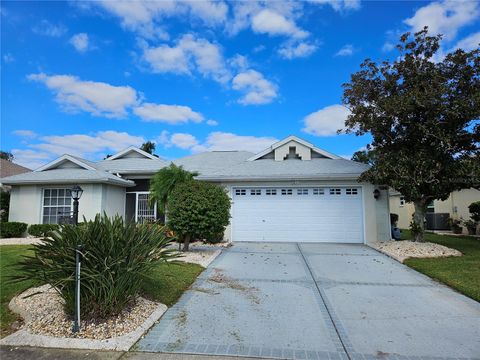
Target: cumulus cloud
x,y
469,43
145,17
212,122
46,28
293,49
346,50
25,133
217,141
270,22
30,158
80,42
96,98
257,90
326,121
339,5
170,114
445,17
188,55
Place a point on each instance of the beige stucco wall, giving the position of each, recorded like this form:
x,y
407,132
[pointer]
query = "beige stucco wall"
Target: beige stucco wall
x,y
456,205
376,214
26,201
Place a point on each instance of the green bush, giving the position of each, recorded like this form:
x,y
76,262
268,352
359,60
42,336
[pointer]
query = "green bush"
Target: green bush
x,y
40,230
117,258
12,229
474,209
4,205
198,210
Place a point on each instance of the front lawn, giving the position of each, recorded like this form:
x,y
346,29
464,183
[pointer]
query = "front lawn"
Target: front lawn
x,y
166,283
461,273
9,256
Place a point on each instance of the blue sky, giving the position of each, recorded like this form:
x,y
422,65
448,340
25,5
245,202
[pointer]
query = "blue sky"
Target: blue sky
x,y
91,78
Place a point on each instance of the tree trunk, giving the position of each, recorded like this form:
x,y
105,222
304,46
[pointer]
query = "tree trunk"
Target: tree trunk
x,y
419,220
186,243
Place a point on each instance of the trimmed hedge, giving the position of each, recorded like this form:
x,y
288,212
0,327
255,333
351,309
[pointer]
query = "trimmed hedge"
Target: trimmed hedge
x,y
12,229
40,230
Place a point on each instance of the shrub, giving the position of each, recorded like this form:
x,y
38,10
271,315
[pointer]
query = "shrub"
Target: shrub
x,y
117,257
40,230
12,229
474,209
4,205
198,210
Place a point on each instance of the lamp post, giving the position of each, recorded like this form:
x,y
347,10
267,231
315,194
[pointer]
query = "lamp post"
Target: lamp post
x,y
76,193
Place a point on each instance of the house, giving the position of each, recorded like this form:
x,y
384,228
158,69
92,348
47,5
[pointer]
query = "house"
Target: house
x,y
291,191
438,211
8,168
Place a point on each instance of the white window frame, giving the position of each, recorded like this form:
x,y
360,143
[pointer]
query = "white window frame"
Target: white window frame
x,y
50,206
402,201
136,203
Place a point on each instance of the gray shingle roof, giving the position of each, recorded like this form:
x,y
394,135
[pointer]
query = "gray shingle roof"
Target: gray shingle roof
x,y
132,165
65,176
269,169
210,162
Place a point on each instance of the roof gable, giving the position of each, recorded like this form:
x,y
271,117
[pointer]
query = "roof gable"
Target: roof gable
x,y
293,146
67,162
131,152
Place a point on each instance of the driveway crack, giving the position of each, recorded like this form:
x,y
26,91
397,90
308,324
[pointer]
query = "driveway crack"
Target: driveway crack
x,y
337,331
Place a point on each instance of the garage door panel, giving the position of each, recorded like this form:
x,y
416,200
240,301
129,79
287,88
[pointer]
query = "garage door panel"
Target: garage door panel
x,y
304,218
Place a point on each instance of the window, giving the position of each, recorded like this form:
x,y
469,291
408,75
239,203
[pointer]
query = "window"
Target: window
x,y
255,192
402,200
271,192
240,192
430,207
302,191
351,191
318,191
287,191
336,191
57,203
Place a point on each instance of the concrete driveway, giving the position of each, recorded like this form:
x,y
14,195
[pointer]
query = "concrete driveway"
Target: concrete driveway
x,y
317,301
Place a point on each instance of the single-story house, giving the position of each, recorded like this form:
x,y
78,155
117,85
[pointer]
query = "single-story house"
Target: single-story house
x,y
438,211
291,191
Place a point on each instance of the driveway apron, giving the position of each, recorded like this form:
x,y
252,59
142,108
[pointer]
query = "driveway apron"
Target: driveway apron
x,y
317,301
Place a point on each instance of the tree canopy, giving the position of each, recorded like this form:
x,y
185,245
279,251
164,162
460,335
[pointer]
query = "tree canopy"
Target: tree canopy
x,y
148,147
6,156
423,112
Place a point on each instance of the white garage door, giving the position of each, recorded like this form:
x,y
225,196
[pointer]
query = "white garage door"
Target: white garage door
x,y
310,214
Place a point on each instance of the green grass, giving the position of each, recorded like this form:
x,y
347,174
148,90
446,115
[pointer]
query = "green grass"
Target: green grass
x,y
9,256
166,284
168,281
461,273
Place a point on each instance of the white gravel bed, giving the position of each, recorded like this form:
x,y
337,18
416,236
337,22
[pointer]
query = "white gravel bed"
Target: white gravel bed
x,y
402,250
44,315
200,257
21,241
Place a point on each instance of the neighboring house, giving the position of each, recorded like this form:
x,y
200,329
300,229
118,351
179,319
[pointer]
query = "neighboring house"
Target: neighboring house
x,y
292,191
8,168
438,212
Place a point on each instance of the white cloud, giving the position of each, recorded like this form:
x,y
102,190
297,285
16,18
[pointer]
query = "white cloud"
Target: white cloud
x,y
445,17
146,17
388,46
48,29
217,141
188,55
212,122
293,49
8,58
272,23
469,43
326,121
30,158
170,114
346,50
257,89
80,42
97,98
339,5
25,133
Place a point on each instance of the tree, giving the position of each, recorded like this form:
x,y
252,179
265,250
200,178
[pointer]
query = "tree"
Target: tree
x,y
148,147
364,156
164,181
6,156
198,210
423,117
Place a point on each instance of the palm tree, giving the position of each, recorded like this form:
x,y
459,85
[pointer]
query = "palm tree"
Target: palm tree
x,y
148,147
164,181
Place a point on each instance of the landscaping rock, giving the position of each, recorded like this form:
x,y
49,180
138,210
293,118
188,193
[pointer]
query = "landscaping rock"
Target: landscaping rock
x,y
402,250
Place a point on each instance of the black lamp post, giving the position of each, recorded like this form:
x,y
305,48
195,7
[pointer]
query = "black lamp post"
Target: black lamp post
x,y
76,193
